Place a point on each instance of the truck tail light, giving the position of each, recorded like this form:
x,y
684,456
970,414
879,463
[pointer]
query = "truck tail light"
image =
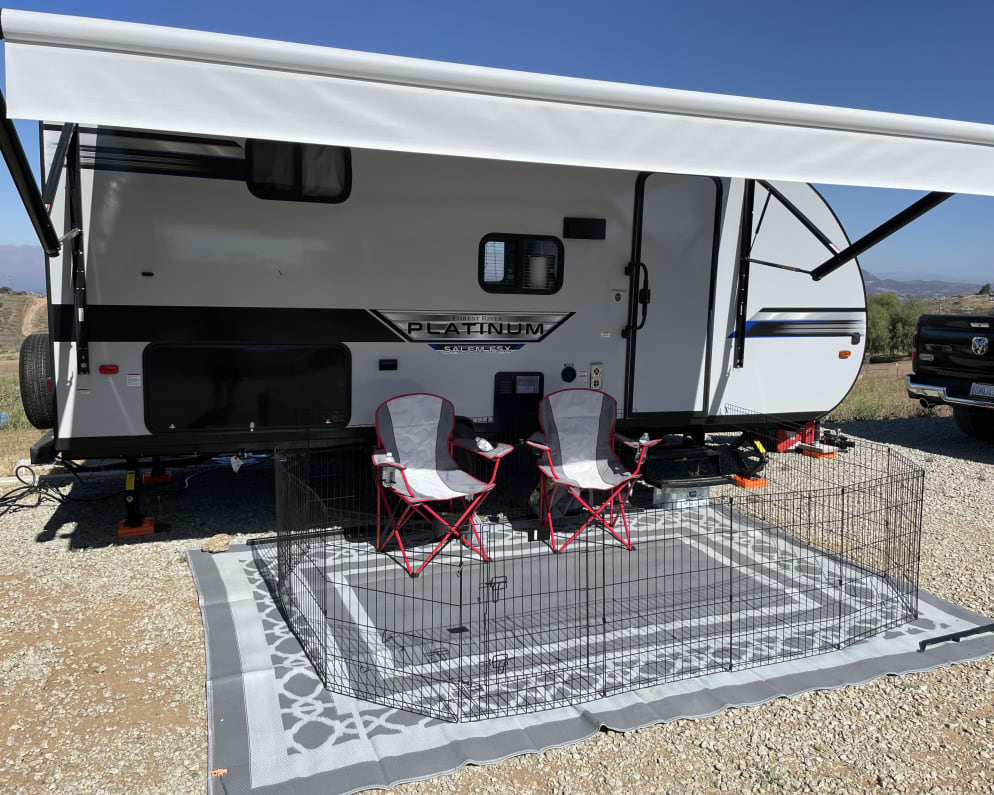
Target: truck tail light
x,y
914,347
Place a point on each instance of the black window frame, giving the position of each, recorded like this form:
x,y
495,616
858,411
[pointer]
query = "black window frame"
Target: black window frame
x,y
296,195
517,289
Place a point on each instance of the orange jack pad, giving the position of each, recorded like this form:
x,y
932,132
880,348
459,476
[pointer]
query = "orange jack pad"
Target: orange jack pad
x,y
748,483
148,479
819,453
147,527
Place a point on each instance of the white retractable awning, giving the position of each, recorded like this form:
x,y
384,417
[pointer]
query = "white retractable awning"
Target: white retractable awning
x,y
147,77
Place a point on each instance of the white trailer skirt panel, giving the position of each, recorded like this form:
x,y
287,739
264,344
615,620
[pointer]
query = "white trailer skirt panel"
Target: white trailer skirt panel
x,y
146,77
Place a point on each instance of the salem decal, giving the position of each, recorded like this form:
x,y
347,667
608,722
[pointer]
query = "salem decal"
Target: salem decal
x,y
467,348
489,327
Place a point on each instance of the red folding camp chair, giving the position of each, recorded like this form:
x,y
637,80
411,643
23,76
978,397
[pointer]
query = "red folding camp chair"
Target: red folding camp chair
x,y
414,464
577,441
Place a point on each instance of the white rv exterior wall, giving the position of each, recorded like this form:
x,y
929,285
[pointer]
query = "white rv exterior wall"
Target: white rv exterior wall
x,y
408,239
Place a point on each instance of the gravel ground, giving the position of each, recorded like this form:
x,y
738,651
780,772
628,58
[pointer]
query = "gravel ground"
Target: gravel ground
x,y
102,661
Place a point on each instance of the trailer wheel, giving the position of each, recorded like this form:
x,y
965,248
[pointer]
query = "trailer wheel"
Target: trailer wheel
x,y
35,370
978,423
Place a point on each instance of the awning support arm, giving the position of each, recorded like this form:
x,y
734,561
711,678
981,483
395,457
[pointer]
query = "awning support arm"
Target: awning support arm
x,y
769,264
75,199
806,222
885,230
742,293
24,181
55,171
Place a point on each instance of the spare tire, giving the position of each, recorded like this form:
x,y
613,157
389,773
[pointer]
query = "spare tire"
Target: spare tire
x,y
37,394
978,423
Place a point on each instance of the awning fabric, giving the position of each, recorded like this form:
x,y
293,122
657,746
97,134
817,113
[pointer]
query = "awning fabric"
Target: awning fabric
x,y
147,77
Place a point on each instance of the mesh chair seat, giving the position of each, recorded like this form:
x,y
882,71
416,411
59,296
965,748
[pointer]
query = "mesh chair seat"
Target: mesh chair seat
x,y
577,440
432,484
415,468
597,475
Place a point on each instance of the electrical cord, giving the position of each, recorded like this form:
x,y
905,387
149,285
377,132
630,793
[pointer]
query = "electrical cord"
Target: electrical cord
x,y
33,493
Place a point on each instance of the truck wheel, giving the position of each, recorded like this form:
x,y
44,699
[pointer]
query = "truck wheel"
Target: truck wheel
x,y
35,375
978,423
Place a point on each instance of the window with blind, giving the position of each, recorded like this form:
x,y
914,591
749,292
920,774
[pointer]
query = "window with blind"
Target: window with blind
x,y
521,264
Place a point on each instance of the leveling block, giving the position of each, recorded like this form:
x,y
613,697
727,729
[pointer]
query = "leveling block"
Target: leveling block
x,y
135,524
816,450
147,527
748,483
156,478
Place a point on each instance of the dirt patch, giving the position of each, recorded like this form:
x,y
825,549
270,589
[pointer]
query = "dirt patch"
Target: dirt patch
x,y
20,314
101,681
34,317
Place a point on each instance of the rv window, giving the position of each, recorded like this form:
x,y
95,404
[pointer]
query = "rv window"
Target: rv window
x,y
521,264
298,172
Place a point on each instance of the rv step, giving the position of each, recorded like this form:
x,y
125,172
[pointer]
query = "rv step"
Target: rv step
x,y
683,467
690,483
682,453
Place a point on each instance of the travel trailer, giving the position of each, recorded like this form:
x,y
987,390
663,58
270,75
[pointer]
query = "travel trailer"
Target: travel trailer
x,y
247,240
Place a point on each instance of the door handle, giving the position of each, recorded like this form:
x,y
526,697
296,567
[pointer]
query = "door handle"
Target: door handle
x,y
644,295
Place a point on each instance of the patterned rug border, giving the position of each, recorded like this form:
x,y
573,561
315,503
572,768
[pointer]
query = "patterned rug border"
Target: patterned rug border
x,y
234,683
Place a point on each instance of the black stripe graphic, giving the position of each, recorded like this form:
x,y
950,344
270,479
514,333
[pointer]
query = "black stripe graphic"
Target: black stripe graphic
x,y
150,136
222,324
178,164
815,328
814,309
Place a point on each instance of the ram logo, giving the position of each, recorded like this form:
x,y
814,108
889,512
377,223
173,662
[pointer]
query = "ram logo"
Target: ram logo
x,y
980,345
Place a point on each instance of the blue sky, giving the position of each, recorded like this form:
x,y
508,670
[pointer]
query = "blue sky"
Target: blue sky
x,y
909,57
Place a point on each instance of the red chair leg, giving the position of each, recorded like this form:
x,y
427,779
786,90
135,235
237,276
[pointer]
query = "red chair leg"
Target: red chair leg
x,y
383,510
596,514
454,527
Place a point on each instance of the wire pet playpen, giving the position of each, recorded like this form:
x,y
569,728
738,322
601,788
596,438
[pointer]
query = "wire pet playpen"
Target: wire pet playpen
x,y
825,554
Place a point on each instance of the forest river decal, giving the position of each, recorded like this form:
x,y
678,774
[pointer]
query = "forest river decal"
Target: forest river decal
x,y
473,332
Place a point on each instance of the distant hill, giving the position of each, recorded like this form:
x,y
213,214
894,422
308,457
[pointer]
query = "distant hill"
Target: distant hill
x,y
962,305
917,288
20,314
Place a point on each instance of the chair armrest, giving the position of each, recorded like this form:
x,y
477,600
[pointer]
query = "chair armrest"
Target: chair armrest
x,y
537,440
380,460
636,444
500,449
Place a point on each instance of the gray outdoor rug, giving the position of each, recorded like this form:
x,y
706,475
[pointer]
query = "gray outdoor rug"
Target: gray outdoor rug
x,y
273,728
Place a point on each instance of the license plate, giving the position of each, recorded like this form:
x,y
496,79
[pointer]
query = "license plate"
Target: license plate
x,y
982,390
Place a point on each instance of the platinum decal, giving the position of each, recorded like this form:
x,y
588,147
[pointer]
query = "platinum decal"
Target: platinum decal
x,y
473,327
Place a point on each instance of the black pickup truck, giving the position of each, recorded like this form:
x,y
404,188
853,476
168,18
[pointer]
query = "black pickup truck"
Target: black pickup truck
x,y
953,363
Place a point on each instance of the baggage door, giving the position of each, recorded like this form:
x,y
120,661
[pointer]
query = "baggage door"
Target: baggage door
x,y
674,248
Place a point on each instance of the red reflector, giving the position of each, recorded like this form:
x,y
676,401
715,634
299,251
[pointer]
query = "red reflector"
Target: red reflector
x,y
108,369
48,385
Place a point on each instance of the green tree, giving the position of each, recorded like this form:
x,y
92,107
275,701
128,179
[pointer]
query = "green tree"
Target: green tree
x,y
985,290
890,323
880,308
877,327
902,325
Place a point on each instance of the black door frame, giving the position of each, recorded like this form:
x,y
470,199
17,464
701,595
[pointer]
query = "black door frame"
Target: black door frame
x,y
633,270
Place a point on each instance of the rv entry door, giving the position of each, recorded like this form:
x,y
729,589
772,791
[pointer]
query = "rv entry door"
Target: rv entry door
x,y
671,296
